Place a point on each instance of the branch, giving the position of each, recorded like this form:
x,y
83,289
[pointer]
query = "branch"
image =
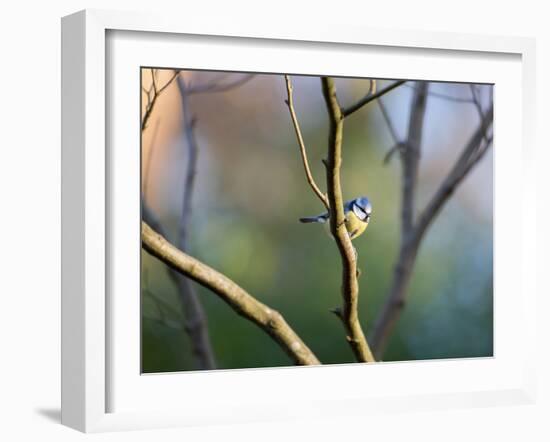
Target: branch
x,y
446,97
194,317
387,119
196,324
148,162
346,112
397,144
191,169
473,151
350,285
219,87
269,320
156,93
411,157
290,103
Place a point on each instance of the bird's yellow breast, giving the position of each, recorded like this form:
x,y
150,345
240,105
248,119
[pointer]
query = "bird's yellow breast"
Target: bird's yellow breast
x,y
354,225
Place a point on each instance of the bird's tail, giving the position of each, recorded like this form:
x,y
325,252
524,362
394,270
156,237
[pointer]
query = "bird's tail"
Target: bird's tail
x,y
314,219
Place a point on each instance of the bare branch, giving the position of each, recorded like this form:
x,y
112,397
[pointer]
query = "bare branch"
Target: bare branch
x,y
191,169
473,151
154,80
269,320
148,162
194,317
152,101
397,144
196,324
411,157
290,103
446,97
350,284
387,119
169,82
219,87
477,103
346,112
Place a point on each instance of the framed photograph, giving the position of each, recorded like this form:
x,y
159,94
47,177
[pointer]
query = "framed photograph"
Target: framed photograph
x,y
269,223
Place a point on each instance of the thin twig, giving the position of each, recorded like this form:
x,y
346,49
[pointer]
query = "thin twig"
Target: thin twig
x,y
269,320
346,112
350,284
397,143
290,103
387,119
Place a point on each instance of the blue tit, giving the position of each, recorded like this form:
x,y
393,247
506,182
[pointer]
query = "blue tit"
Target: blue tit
x,y
357,212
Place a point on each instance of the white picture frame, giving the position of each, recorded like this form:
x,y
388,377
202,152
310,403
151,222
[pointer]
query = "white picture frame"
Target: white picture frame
x,y
89,356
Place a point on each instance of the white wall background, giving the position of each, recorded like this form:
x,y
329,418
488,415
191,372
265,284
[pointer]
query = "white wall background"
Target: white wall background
x,y
30,216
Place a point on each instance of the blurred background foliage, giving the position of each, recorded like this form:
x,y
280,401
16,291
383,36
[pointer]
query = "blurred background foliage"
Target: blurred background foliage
x,y
250,191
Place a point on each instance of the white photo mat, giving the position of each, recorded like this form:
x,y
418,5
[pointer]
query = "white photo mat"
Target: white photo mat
x,y
133,400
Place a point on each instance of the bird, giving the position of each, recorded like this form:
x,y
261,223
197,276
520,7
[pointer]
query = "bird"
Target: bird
x,y
357,212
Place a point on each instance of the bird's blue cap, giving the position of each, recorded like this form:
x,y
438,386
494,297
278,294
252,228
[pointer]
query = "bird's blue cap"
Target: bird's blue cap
x,y
364,203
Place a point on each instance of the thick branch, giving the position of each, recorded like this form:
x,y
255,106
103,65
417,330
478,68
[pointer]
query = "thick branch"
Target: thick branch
x,y
350,285
290,103
346,112
269,320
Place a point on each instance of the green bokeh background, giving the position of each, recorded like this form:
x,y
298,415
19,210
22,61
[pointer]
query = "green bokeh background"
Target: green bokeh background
x,y
250,192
